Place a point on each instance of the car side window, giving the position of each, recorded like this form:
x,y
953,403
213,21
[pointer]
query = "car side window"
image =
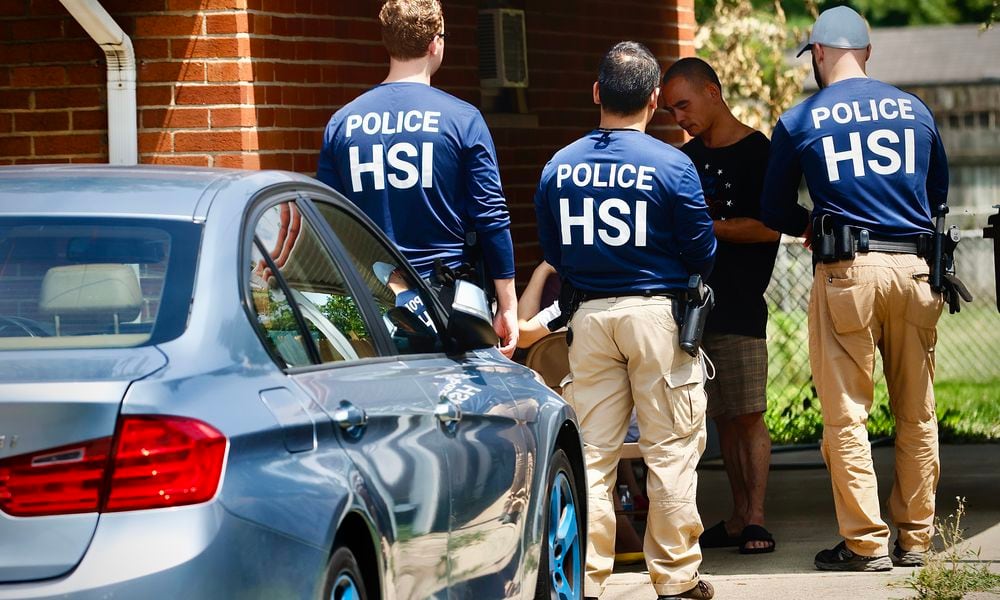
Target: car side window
x,y
299,282
401,300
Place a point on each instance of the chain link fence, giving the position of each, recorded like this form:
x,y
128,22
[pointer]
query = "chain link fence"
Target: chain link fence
x,y
968,349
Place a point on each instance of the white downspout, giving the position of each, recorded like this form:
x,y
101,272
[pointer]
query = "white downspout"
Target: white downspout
x,y
122,136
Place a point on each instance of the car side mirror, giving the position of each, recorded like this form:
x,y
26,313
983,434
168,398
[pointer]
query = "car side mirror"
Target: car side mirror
x,y
470,325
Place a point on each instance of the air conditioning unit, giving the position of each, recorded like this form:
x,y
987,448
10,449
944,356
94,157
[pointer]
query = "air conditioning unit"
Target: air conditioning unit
x,y
503,48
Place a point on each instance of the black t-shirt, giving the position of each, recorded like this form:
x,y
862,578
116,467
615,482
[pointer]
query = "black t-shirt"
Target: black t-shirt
x,y
732,178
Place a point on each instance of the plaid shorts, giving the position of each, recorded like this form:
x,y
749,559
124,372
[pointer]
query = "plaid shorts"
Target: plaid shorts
x,y
740,384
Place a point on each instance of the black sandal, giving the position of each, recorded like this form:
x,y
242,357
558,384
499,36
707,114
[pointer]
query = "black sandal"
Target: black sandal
x,y
716,536
756,533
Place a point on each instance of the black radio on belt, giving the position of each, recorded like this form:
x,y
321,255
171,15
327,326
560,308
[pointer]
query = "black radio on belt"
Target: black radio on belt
x,y
834,242
825,244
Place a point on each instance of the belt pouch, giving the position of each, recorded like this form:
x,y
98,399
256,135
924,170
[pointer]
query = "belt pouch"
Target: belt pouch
x,y
845,243
827,247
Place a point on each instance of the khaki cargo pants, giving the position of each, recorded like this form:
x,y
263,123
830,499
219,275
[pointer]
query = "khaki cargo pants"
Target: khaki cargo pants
x,y
877,301
625,351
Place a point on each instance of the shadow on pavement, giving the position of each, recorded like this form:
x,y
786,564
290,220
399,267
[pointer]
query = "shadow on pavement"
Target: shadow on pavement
x,y
800,510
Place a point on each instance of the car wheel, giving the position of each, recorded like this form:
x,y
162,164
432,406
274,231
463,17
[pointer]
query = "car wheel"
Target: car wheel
x,y
344,581
560,573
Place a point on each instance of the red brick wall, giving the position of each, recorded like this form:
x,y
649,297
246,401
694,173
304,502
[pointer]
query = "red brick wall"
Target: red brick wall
x,y
251,83
231,83
52,95
309,59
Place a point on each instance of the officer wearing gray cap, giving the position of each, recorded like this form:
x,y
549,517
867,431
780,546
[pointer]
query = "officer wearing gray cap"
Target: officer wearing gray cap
x,y
875,168
838,27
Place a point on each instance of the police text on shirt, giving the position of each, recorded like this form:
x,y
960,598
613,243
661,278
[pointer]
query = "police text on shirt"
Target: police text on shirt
x,y
403,157
888,159
613,230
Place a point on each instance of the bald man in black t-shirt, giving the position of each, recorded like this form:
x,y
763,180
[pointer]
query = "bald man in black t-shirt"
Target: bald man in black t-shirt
x,y
731,159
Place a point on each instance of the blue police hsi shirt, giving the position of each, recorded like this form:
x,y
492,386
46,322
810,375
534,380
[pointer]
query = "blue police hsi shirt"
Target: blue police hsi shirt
x,y
421,164
620,211
871,155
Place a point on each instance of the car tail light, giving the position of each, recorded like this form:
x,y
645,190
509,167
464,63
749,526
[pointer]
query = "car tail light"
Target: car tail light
x,y
165,461
157,462
63,480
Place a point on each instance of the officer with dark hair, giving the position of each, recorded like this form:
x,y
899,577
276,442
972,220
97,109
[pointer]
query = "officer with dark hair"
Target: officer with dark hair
x,y
622,219
876,170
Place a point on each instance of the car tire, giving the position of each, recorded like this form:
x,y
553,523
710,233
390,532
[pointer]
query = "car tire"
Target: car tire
x,y
344,580
560,571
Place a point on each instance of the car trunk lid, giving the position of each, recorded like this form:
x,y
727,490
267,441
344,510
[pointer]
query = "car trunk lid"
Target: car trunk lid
x,y
58,409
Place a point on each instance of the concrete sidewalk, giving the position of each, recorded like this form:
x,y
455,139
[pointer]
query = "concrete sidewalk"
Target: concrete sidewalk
x,y
800,515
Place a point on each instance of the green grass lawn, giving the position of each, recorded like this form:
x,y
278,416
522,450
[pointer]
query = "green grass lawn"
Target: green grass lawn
x,y
967,387
968,411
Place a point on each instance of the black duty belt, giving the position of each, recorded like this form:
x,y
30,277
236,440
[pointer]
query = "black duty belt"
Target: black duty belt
x,y
833,242
673,293
861,244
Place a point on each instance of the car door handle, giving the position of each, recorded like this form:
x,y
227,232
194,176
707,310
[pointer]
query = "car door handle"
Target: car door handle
x,y
350,418
448,412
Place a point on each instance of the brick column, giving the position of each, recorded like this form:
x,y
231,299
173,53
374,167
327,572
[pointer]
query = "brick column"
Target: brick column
x,y
195,85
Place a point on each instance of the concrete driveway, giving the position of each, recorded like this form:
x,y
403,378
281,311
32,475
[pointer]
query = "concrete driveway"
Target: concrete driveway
x,y
801,517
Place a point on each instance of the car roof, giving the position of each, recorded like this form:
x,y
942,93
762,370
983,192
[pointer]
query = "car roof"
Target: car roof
x,y
169,192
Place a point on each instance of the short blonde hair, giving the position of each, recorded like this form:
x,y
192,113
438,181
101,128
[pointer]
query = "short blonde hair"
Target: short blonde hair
x,y
408,26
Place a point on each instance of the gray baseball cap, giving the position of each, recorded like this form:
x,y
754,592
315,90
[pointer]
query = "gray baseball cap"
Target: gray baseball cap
x,y
838,27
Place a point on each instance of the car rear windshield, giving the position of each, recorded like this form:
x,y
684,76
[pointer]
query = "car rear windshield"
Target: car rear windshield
x,y
94,282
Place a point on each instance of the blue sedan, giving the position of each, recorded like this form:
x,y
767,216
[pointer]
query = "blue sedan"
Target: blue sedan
x,y
229,384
